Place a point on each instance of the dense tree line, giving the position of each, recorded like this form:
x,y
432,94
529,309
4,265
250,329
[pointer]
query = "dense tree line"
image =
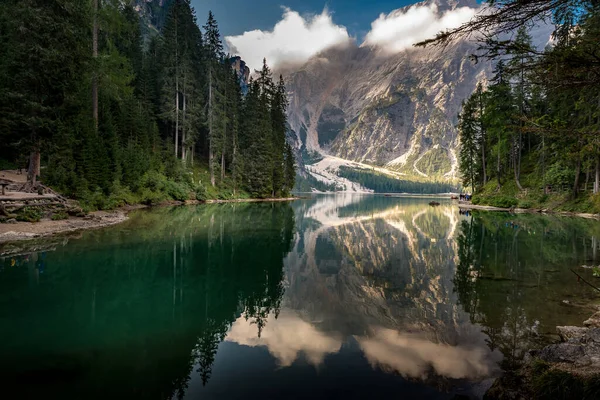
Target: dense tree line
x,y
381,183
112,113
537,122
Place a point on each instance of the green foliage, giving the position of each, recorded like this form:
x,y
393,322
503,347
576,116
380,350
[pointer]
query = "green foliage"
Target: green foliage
x,y
29,214
151,198
59,216
542,133
435,161
200,193
382,183
177,191
558,174
166,103
305,184
502,201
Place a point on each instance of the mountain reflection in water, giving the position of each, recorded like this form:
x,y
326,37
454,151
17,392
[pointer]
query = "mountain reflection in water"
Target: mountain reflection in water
x,y
337,296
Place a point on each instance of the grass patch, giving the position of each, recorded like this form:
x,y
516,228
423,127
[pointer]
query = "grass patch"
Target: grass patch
x,y
59,216
553,384
29,214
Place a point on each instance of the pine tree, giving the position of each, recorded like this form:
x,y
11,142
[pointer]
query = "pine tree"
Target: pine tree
x,y
518,67
290,169
279,120
214,56
499,116
469,152
45,52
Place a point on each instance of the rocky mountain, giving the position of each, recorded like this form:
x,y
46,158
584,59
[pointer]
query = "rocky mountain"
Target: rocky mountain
x,y
396,111
242,70
153,15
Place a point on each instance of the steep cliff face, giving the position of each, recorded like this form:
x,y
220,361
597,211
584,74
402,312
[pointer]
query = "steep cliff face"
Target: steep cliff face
x,y
153,14
242,70
398,111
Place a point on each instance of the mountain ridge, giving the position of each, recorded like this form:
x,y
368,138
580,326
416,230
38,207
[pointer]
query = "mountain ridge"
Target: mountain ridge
x,y
394,111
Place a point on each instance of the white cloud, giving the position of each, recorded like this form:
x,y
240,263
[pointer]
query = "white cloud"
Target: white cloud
x,y
286,338
293,39
417,357
402,28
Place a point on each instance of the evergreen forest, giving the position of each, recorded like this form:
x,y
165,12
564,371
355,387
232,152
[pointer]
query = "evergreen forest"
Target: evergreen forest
x,y
530,136
108,112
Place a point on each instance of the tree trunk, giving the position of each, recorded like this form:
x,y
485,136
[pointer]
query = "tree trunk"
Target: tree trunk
x,y
587,179
498,165
483,137
576,183
223,165
183,133
517,163
483,158
34,165
224,139
234,163
597,181
544,164
211,155
176,87
176,115
95,56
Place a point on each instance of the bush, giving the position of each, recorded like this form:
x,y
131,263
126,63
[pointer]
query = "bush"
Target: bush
x,y
93,201
225,195
29,214
503,202
154,181
560,174
60,215
201,193
120,197
525,204
150,198
177,191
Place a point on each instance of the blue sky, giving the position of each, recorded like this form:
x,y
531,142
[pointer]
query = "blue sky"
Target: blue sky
x,y
291,32
237,16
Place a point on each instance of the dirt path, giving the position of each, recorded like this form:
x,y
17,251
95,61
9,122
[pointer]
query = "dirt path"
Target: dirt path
x,y
28,230
13,175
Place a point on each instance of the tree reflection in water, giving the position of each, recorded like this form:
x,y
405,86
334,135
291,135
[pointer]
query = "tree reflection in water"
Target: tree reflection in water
x,y
512,271
128,312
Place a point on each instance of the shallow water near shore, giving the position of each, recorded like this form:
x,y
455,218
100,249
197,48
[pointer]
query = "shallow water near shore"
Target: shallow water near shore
x,y
336,296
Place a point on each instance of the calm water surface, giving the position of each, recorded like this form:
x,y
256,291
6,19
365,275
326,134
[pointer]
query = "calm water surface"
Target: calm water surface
x,y
343,296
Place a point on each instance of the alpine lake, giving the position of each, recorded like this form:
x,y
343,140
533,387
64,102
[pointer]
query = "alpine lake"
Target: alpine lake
x,y
331,297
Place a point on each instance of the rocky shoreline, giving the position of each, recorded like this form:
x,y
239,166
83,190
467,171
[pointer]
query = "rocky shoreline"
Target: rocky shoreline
x,y
569,369
32,230
468,206
19,231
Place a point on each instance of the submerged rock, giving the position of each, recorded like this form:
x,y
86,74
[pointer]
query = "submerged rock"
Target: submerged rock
x,y
593,321
566,370
567,333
